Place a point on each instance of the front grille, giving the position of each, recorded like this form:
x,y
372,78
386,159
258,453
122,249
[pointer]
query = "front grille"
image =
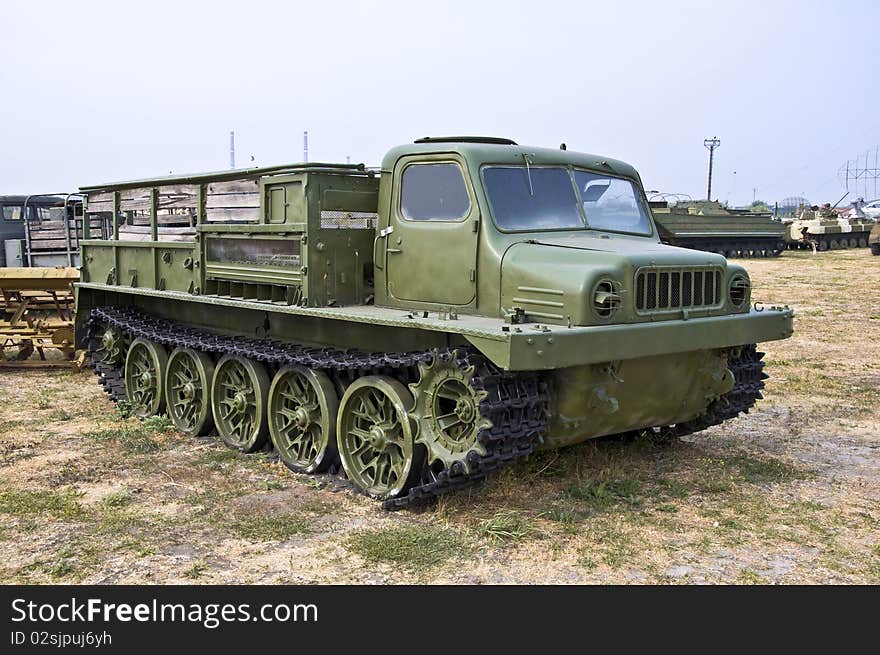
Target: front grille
x,y
667,289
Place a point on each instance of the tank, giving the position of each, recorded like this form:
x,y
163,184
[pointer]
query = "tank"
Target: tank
x,y
874,239
824,229
709,225
419,326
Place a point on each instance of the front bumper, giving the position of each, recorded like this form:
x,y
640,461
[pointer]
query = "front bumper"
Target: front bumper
x,y
545,347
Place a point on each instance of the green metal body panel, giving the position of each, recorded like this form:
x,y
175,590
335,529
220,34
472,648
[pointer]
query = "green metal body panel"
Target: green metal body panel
x,y
593,401
531,346
330,260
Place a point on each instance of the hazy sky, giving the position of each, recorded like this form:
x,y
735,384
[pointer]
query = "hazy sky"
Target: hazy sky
x,y
104,91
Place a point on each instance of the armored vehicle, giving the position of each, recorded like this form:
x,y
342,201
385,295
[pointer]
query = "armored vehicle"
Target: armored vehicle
x,y
826,230
709,225
420,325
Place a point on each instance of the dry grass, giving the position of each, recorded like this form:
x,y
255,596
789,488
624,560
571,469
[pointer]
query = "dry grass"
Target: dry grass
x,y
787,494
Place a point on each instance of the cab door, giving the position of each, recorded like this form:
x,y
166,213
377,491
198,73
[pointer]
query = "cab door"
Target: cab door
x,y
431,248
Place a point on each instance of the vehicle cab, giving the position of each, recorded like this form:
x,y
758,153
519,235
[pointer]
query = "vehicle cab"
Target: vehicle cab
x,y
484,226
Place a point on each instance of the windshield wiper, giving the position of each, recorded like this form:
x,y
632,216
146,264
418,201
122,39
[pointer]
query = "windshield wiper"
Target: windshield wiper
x,y
529,175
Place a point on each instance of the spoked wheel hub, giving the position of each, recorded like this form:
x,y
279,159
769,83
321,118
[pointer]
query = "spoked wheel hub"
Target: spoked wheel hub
x,y
302,418
375,437
187,391
238,402
447,410
145,365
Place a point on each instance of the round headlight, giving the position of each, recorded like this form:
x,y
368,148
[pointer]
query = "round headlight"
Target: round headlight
x,y
606,300
739,290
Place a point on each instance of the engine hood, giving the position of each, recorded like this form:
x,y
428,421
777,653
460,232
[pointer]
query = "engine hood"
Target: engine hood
x,y
555,279
642,252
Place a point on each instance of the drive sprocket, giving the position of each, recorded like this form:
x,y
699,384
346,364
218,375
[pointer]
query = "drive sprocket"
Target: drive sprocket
x,y
447,409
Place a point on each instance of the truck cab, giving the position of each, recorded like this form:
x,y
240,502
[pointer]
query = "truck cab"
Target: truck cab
x,y
483,226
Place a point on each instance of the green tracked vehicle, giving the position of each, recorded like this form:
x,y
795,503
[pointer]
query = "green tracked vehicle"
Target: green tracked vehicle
x,y
418,326
709,225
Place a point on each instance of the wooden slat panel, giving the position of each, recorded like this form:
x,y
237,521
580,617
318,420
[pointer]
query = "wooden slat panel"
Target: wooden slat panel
x,y
234,186
96,207
233,200
101,197
179,190
48,225
234,214
48,244
185,202
49,234
134,194
176,219
133,205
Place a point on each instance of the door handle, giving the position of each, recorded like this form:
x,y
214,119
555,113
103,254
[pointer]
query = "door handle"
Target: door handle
x,y
392,251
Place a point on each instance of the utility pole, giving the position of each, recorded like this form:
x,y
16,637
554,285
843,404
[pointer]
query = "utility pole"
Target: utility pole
x,y
306,147
232,149
710,145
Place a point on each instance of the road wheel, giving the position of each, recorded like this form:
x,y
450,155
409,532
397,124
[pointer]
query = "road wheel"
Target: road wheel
x,y
145,365
303,408
375,437
188,390
238,402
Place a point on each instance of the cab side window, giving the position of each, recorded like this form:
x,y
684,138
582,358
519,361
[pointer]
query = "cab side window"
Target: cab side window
x,y
434,192
12,212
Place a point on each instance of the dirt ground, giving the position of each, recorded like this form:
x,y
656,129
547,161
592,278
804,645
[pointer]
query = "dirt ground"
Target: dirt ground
x,y
789,493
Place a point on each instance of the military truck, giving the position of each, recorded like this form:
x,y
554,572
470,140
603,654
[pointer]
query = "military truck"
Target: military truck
x,y
40,230
826,230
709,225
420,325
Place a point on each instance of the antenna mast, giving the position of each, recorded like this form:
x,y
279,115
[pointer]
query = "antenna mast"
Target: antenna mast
x,y
861,175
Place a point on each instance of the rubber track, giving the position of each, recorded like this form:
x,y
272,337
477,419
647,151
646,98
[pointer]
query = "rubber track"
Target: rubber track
x,y
516,403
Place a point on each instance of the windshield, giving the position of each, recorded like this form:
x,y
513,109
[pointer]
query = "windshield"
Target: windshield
x,y
548,198
532,199
611,203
